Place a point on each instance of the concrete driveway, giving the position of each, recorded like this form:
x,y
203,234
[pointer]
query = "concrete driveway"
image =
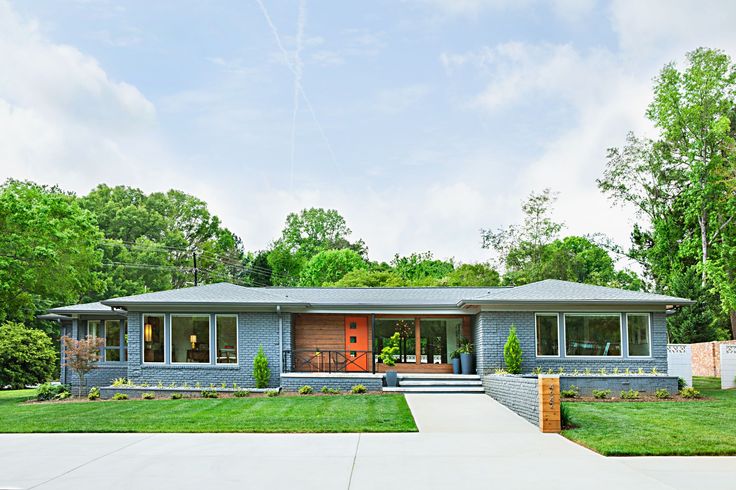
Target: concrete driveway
x,y
466,441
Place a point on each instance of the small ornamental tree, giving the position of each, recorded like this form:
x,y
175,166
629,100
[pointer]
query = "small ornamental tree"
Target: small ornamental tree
x,y
261,372
390,350
27,356
512,352
81,356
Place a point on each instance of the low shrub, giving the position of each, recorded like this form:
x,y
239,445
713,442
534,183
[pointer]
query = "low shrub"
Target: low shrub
x,y
272,393
94,393
47,391
601,394
330,391
120,396
148,395
209,394
305,390
358,390
662,393
681,384
120,382
177,396
629,395
689,392
571,392
241,393
565,419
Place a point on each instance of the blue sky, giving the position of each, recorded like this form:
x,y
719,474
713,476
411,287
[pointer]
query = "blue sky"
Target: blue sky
x,y
420,121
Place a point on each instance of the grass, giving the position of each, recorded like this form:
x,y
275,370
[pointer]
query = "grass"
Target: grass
x,y
705,427
348,413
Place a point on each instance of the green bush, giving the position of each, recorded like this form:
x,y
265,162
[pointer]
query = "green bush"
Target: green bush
x,y
47,391
681,384
565,416
330,391
272,393
94,393
512,352
120,396
241,393
305,390
390,350
261,372
27,356
689,392
601,394
629,395
121,382
572,392
662,393
209,394
358,390
148,395
177,396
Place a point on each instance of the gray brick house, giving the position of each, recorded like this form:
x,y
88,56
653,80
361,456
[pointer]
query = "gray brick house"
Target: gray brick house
x,y
210,334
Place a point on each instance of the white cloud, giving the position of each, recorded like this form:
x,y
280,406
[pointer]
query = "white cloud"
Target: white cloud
x,y
566,10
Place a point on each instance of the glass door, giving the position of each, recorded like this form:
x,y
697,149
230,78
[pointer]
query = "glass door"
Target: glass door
x,y
439,337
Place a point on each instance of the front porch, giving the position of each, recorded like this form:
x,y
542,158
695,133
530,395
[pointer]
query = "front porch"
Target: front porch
x,y
335,343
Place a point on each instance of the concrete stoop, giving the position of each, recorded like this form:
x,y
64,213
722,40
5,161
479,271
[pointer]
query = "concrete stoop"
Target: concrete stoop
x,y
437,383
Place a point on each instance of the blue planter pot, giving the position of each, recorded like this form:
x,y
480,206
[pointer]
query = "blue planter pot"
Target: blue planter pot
x,y
392,379
456,365
466,361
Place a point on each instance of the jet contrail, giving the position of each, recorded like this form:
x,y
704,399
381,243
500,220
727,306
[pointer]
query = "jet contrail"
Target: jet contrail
x,y
298,65
297,82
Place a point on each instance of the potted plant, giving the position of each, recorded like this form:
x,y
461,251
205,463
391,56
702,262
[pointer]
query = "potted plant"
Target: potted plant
x,y
466,356
388,352
455,360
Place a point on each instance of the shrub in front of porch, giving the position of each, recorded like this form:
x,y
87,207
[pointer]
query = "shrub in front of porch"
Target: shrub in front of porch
x,y
512,352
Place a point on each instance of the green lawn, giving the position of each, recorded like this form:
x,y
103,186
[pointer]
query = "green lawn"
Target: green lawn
x,y
348,413
659,428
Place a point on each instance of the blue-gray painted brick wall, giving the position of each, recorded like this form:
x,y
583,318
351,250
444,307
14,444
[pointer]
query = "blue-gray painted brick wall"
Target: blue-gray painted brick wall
x,y
644,384
254,330
341,383
521,395
491,328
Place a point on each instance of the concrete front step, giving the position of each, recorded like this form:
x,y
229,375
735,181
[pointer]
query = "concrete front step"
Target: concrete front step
x,y
434,389
437,376
469,382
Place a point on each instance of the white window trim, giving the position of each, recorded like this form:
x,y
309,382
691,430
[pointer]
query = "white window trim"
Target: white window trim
x,y
620,331
143,338
649,334
171,338
536,345
237,340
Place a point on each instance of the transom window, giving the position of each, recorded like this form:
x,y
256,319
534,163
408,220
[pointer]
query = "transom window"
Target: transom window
x,y
597,334
638,330
547,335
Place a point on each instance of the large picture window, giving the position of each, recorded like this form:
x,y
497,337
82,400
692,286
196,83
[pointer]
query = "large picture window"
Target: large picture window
x,y
190,338
637,326
153,338
547,335
227,339
593,335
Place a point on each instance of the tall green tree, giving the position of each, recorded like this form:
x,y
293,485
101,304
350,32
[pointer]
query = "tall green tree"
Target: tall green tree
x,y
421,269
48,249
682,183
471,275
330,266
305,234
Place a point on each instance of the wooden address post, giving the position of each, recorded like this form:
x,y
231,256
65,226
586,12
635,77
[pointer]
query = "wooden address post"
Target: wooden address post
x,y
549,404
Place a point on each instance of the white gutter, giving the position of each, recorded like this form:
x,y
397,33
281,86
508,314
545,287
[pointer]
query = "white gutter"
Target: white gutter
x,y
281,339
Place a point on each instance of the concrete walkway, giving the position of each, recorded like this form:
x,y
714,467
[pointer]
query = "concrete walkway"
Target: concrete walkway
x,y
469,441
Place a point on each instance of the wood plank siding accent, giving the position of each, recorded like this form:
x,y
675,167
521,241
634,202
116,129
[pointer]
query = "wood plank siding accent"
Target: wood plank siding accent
x,y
320,331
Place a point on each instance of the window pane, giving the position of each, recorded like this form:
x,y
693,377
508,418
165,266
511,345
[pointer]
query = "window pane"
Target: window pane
x,y
112,355
153,338
385,328
112,333
547,341
190,338
593,335
93,328
638,329
227,340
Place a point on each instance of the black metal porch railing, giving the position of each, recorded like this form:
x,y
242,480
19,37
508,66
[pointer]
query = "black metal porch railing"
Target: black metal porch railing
x,y
329,361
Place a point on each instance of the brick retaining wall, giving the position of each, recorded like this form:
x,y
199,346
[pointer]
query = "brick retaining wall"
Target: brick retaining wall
x,y
643,384
519,394
342,382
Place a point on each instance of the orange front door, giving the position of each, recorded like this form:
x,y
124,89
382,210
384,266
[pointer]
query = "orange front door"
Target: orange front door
x,y
356,343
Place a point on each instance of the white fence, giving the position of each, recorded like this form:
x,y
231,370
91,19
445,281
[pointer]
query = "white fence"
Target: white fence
x,y
728,366
680,362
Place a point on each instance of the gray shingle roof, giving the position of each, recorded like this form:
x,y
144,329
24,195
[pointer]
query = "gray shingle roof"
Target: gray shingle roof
x,y
556,291
544,292
84,308
220,293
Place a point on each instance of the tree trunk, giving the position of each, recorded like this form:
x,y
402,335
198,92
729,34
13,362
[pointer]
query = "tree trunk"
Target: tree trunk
x,y
81,384
703,220
732,315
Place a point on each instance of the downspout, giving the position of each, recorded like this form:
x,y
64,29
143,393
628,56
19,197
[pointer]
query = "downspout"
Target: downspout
x,y
281,339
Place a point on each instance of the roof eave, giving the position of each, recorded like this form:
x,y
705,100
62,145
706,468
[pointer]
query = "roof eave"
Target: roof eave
x,y
666,303
128,304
